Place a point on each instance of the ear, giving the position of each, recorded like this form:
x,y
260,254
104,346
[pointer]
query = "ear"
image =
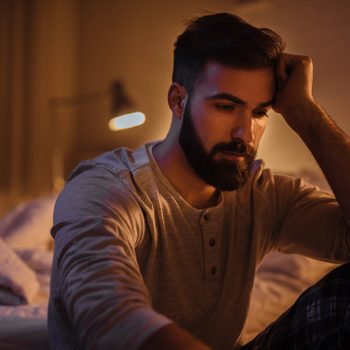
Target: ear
x,y
177,98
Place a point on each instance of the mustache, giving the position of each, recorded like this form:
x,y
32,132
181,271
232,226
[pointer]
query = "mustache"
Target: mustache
x,y
236,146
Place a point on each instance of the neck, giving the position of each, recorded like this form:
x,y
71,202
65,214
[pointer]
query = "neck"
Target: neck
x,y
174,165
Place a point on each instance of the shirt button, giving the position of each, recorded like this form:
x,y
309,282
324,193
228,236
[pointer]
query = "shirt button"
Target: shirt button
x,y
213,270
206,216
212,242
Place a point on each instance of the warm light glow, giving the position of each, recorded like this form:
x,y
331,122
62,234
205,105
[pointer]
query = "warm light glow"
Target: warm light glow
x,y
126,121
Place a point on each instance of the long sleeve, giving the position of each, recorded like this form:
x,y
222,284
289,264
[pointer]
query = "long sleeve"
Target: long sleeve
x,y
311,222
98,297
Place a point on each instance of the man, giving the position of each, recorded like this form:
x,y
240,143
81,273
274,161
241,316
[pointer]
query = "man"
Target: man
x,y
157,248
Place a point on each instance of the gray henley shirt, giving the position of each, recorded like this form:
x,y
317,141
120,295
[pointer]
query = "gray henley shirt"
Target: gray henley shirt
x,y
131,255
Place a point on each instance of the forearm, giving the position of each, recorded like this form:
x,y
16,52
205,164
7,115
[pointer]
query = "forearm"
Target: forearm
x,y
102,292
172,337
329,145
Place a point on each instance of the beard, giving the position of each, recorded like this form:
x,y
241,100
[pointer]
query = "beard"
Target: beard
x,y
223,174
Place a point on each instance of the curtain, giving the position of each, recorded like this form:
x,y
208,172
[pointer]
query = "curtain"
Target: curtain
x,y
38,59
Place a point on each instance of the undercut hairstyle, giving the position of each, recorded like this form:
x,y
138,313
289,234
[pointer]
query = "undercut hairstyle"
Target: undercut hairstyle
x,y
225,39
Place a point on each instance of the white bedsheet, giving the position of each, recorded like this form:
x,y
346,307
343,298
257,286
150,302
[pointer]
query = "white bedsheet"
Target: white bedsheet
x,y
25,264
26,255
279,281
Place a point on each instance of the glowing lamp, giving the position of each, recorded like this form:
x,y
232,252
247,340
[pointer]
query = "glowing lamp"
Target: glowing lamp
x,y
123,116
126,121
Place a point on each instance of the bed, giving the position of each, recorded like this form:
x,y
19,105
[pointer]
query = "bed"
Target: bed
x,y
25,261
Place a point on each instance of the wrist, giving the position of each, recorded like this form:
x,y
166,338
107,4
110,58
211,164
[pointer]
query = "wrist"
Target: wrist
x,y
304,117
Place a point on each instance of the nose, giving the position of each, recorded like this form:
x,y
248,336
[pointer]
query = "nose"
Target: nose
x,y
243,128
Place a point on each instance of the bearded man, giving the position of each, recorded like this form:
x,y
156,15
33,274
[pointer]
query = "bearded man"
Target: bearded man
x,y
157,248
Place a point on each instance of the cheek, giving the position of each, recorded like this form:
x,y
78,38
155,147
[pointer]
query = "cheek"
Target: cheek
x,y
259,128
206,127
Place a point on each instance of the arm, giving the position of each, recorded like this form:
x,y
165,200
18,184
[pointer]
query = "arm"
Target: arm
x,y
96,274
329,145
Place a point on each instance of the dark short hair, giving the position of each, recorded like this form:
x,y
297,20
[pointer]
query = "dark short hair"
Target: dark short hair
x,y
226,39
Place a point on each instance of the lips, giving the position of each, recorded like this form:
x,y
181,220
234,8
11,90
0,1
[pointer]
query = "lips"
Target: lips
x,y
234,150
237,149
232,155
241,148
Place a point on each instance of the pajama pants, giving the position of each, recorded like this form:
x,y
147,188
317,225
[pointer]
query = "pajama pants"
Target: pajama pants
x,y
319,319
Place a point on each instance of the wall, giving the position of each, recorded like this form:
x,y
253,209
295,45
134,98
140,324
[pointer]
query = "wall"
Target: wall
x,y
38,62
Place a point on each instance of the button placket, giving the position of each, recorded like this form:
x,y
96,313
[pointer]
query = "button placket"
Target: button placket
x,y
210,235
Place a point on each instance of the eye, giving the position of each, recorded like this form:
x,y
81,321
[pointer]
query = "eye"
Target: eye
x,y
224,107
260,114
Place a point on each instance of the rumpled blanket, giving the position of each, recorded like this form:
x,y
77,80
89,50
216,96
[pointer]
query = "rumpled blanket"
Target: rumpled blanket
x,y
26,254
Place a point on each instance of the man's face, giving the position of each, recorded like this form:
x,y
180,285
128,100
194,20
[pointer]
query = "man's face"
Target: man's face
x,y
223,122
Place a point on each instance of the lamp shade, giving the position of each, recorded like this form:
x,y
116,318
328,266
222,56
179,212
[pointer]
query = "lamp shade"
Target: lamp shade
x,y
126,121
124,113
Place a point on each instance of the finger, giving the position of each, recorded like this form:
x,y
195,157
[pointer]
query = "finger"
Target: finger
x,y
281,70
287,64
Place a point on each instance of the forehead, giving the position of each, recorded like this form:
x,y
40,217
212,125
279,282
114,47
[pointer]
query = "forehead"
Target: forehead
x,y
252,85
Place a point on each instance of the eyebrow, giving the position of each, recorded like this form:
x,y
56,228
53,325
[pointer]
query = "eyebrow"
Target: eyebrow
x,y
237,100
